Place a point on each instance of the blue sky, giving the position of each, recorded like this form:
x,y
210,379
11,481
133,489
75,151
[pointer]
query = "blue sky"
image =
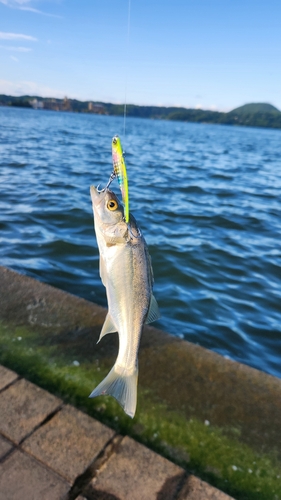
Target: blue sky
x,y
214,54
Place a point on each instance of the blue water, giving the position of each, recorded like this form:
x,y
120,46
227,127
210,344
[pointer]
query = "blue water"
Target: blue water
x,y
207,198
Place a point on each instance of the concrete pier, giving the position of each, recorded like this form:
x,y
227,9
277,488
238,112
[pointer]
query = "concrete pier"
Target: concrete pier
x,y
180,384
53,451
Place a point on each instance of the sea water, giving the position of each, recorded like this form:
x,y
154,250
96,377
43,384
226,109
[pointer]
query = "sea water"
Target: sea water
x,y
208,201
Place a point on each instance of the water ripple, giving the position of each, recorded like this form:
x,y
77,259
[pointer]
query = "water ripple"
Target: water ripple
x,y
207,198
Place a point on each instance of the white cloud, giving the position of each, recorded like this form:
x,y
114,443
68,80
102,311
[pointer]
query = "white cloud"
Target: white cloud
x,y
16,36
15,49
37,11
28,88
23,5
14,58
14,3
31,9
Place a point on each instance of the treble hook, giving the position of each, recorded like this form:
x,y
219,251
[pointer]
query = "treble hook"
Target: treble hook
x,y
111,178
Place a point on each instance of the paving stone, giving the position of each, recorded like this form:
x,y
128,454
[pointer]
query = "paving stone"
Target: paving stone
x,y
23,478
5,446
195,489
136,473
23,407
6,377
69,442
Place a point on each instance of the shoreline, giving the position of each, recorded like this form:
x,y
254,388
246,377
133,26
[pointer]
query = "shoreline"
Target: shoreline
x,y
215,417
249,115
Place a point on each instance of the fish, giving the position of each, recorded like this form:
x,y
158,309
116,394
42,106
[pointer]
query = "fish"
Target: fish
x,y
126,272
119,168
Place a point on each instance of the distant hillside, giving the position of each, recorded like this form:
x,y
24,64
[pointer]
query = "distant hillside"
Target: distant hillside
x,y
249,115
256,107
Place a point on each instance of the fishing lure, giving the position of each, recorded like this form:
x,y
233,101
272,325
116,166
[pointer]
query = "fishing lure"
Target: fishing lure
x,y
120,172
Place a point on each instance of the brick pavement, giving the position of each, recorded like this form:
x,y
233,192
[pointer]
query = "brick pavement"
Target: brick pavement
x,y
52,451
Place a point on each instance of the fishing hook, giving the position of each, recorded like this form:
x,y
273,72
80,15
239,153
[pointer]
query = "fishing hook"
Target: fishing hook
x,y
111,178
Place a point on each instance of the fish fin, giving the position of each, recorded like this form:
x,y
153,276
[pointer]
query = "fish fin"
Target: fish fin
x,y
122,387
108,327
153,312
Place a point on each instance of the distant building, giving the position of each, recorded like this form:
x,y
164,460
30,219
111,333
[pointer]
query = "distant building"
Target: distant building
x,y
98,109
66,105
52,105
36,104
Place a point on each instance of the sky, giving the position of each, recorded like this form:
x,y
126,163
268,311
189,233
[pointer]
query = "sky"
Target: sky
x,y
210,54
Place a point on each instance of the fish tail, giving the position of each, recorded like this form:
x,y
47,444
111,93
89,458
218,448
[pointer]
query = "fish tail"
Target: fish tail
x,y
122,386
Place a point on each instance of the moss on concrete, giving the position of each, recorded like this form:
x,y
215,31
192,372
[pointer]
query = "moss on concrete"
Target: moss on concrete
x,y
214,453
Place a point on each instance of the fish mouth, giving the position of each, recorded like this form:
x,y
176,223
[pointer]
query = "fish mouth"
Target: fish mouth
x,y
94,190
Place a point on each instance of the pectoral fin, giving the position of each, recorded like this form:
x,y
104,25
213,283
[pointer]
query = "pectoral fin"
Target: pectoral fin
x,y
153,312
108,327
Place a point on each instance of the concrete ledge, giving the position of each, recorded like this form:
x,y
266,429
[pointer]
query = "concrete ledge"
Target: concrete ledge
x,y
31,403
135,470
7,377
137,473
195,489
70,443
203,384
22,478
5,447
187,394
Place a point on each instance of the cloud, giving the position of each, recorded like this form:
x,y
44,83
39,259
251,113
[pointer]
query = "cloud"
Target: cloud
x,y
31,9
15,49
14,3
23,5
28,88
37,11
14,58
16,36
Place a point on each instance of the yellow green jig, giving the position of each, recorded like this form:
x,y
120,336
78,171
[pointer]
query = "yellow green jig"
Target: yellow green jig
x,y
120,172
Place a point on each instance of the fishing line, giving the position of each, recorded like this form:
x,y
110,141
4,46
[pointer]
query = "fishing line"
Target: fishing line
x,y
127,65
119,167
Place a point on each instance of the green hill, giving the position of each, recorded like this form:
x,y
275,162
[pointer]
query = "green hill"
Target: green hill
x,y
255,107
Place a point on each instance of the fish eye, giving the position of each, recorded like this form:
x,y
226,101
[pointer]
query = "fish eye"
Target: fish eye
x,y
112,205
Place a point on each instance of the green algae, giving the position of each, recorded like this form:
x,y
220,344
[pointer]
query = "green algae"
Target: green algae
x,y
203,449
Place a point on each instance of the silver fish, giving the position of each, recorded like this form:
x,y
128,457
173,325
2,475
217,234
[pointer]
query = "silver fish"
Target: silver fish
x,y
126,272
